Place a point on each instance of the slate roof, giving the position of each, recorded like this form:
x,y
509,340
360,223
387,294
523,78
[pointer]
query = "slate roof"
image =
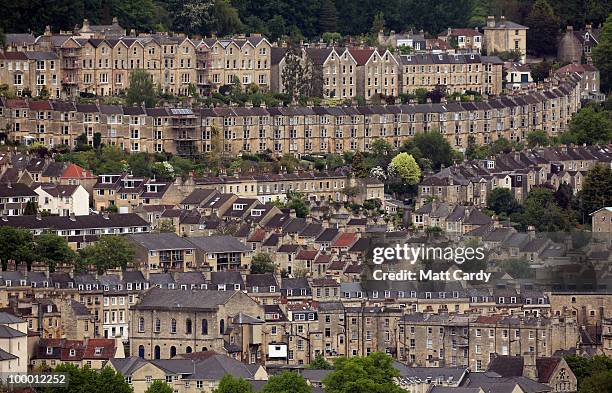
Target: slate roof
x,y
169,299
160,241
217,244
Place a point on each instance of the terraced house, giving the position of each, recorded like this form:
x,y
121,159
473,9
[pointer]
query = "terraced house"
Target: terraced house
x,y
296,130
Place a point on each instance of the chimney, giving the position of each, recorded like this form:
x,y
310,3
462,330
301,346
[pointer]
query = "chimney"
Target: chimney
x,y
85,24
529,365
589,28
490,21
569,29
72,217
115,20
502,20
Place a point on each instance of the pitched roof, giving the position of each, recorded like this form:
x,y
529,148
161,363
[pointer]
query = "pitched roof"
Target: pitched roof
x,y
170,299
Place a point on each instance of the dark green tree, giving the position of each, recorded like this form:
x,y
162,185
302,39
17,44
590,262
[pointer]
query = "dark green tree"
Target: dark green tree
x,y
97,140
230,384
541,211
590,125
432,146
53,249
596,191
564,195
543,28
602,55
540,71
287,382
501,201
226,18
328,20
292,74
537,138
31,208
82,143
109,252
141,89
16,244
262,263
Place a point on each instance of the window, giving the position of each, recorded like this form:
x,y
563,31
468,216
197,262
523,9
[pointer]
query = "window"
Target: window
x,y
173,326
141,325
188,326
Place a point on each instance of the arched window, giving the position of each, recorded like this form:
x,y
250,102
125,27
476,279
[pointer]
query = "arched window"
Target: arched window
x,y
188,350
204,349
157,352
221,326
188,326
172,351
204,326
173,326
141,351
141,324
157,325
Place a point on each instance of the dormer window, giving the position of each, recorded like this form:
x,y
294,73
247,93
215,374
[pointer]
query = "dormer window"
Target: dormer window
x,y
239,206
98,351
255,289
236,287
272,288
72,352
49,350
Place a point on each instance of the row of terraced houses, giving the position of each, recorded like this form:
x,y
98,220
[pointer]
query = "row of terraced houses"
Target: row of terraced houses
x,y
297,130
99,61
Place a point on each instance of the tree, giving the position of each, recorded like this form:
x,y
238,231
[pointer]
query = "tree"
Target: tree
x,y
31,208
87,380
16,244
564,195
109,252
319,363
97,140
159,386
431,146
276,27
501,200
229,384
602,55
331,38
297,202
543,28
540,71
517,268
599,382
542,212
378,24
590,126
328,20
287,382
52,249
406,168
81,143
374,373
537,138
292,74
141,89
262,263
166,226
596,191
226,19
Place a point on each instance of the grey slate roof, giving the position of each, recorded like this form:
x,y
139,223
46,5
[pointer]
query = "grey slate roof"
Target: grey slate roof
x,y
215,244
160,241
169,299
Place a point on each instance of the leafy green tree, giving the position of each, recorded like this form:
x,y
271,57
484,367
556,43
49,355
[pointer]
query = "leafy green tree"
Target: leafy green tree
x,y
141,89
378,24
167,226
53,249
226,18
537,138
564,195
16,244
500,145
82,143
331,38
584,368
374,373
87,380
262,263
501,200
319,363
599,382
230,384
406,168
543,28
542,212
159,386
596,191
292,74
97,140
289,162
287,382
110,251
297,202
590,126
334,161
277,27
432,146
602,55
540,71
